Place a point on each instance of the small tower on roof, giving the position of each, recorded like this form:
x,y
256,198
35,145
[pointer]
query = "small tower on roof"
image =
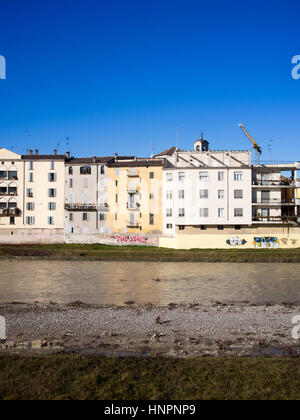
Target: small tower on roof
x,y
201,145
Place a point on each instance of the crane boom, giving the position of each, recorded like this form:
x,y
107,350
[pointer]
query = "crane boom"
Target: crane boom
x,y
255,145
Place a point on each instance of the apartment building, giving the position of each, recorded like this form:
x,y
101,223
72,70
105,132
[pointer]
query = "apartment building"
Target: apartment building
x,y
218,199
86,196
135,195
31,197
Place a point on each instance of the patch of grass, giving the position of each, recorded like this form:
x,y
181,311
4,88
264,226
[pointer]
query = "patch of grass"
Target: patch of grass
x,y
98,252
70,377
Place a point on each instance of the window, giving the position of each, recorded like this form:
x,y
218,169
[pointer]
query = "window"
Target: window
x,y
52,192
50,220
238,194
238,212
52,177
30,220
3,174
181,194
151,196
221,194
221,176
238,176
169,177
29,192
85,170
202,227
30,177
71,229
221,213
102,170
203,212
71,183
117,171
12,191
30,166
71,217
52,206
220,227
203,194
181,212
85,217
169,212
181,227
13,175
151,219
52,166
169,195
85,183
116,183
116,198
30,206
12,205
70,170
151,175
11,220
169,226
203,176
102,217
181,176
116,216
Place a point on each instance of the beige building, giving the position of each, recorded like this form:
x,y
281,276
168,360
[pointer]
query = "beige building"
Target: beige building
x,y
31,197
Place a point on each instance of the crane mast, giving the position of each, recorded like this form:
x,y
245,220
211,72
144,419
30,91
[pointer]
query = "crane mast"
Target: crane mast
x,y
256,147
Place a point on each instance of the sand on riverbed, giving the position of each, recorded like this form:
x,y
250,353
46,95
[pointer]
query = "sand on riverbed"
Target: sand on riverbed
x,y
175,330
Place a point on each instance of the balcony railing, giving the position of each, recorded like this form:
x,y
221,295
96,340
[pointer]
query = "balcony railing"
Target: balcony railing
x,y
133,174
278,219
133,225
134,207
10,212
86,207
273,183
80,207
276,201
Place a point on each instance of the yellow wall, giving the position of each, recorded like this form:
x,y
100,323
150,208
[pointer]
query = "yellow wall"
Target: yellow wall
x,y
287,237
144,186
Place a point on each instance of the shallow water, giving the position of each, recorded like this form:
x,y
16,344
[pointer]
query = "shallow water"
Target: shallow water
x,y
114,283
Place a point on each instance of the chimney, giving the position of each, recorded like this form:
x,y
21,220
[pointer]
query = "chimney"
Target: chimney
x,y
116,156
68,154
55,152
31,152
36,152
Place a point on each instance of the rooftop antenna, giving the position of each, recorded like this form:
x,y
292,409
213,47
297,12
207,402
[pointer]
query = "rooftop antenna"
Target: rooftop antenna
x,y
153,150
270,149
68,143
177,136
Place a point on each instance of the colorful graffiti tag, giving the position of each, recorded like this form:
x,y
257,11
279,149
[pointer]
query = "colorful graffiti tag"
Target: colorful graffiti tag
x,y
236,241
270,242
131,239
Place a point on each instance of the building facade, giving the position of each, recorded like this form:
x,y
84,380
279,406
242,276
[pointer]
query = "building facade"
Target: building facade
x,y
198,198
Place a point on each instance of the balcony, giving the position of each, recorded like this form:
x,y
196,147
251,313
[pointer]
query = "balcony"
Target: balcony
x,y
133,190
133,173
274,219
103,207
10,212
80,207
273,183
134,225
133,207
274,201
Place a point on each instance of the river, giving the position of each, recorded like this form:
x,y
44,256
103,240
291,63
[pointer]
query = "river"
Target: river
x,y
114,283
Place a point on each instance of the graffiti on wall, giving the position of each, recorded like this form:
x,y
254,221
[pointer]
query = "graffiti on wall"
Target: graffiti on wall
x,y
266,242
236,241
131,239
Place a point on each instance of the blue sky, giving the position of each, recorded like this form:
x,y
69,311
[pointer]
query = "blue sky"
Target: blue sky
x,y
119,76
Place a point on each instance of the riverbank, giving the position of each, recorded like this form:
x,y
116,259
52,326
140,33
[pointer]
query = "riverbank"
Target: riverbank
x,y
143,253
65,377
177,331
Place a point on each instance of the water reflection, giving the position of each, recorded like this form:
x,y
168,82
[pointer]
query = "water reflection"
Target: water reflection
x,y
151,282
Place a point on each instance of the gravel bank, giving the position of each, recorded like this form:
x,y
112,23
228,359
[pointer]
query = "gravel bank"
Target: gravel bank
x,y
175,330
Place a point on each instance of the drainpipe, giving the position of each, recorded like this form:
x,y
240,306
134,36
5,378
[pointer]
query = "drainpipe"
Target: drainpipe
x,y
228,195
97,196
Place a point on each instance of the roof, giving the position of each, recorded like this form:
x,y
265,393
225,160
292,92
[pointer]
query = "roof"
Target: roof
x,y
94,159
169,152
137,162
43,157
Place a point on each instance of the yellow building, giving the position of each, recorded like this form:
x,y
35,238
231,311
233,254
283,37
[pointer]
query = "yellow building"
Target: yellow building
x,y
135,195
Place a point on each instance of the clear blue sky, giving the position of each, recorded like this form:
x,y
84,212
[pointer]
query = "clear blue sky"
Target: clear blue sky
x,y
119,75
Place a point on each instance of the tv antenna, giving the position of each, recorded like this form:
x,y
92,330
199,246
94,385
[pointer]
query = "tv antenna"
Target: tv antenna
x,y
270,149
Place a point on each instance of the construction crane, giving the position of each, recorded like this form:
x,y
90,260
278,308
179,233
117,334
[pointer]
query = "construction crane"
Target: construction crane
x,y
256,147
